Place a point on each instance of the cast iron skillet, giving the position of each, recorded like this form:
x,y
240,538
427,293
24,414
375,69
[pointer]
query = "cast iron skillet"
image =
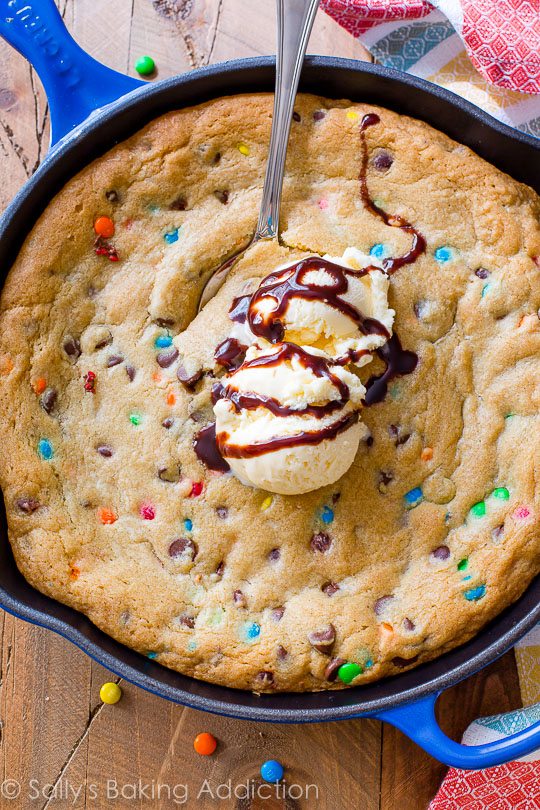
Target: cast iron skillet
x,y
77,86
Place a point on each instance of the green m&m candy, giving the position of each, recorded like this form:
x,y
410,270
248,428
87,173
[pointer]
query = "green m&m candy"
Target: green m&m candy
x,y
145,65
349,671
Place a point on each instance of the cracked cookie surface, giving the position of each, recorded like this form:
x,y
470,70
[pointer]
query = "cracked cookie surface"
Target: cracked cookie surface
x,y
435,527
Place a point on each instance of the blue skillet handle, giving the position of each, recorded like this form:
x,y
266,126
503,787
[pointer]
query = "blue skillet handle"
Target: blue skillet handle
x,y
75,84
417,720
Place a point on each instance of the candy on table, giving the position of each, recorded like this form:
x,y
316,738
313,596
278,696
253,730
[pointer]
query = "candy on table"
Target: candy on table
x,y
272,770
145,66
110,693
205,744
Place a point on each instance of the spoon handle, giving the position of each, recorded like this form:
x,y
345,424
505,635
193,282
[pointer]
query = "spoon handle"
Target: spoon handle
x,y
294,23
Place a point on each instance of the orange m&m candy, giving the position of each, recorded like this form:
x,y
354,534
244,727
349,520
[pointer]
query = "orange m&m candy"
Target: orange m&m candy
x,y
205,744
104,227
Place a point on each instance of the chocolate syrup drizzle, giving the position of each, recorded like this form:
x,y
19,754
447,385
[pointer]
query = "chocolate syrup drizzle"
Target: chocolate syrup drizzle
x,y
282,287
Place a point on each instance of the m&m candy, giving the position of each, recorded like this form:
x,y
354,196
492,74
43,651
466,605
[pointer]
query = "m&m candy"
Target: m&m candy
x,y
145,65
110,693
205,744
104,226
272,770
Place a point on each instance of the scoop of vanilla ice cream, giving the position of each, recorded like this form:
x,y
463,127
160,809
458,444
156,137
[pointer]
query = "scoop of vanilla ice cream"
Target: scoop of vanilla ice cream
x,y
316,323
296,469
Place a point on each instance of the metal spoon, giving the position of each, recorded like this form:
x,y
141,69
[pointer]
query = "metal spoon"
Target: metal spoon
x,y
294,23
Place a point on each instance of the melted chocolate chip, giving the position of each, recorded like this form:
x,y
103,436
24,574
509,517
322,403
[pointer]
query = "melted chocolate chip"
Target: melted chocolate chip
x,y
182,547
216,158
318,115
482,272
331,671
408,625
330,588
114,360
277,613
384,479
112,196
399,435
168,422
369,440
239,599
222,196
220,569
274,554
441,553
105,450
323,640
188,379
281,652
48,399
321,542
296,117
27,505
404,662
164,322
382,603
265,677
187,620
382,160
179,204
222,512
130,371
167,357
72,347
497,532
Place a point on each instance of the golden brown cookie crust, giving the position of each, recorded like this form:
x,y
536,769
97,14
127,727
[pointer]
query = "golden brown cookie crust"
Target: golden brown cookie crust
x,y
464,425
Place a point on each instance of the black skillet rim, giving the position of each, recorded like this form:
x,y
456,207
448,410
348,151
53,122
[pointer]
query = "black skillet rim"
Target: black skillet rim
x,y
19,598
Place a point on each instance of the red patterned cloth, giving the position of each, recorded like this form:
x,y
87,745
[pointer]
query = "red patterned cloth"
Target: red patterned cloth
x,y
502,37
515,786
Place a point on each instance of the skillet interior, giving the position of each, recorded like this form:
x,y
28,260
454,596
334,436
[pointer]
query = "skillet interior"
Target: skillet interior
x,y
515,153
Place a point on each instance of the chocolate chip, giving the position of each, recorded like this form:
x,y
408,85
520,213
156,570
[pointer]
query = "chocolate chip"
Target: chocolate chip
x,y
187,620
239,599
399,435
318,115
27,505
222,512
441,553
497,532
281,652
382,160
335,497
381,604
369,440
329,588
179,204
420,308
72,347
384,479
166,358
188,379
216,158
182,547
321,542
222,196
403,662
170,473
112,196
296,116
220,569
265,677
331,671
114,360
277,613
48,399
482,272
130,371
323,640
168,422
164,322
275,554
105,450
408,625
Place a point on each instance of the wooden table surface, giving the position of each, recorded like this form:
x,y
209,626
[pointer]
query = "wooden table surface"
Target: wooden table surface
x,y
58,742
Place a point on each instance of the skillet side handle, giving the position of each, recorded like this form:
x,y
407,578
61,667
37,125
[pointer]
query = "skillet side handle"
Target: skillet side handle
x,y
417,720
75,83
